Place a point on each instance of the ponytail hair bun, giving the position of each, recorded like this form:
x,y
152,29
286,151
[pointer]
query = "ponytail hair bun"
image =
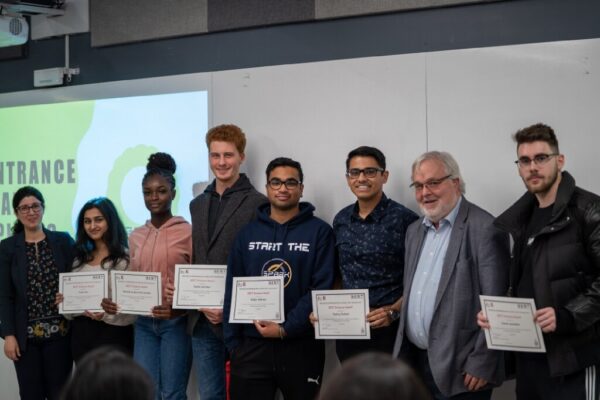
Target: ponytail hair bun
x,y
161,164
162,161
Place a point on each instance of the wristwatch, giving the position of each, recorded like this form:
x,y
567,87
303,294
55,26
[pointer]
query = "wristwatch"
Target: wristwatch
x,y
394,315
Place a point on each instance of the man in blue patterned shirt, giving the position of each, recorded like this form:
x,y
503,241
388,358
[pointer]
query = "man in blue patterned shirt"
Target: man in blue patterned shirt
x,y
370,245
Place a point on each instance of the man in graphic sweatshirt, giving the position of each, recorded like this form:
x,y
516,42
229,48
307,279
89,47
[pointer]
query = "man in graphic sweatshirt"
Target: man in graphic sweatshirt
x,y
288,240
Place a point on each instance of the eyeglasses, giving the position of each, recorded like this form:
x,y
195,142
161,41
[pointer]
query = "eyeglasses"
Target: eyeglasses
x,y
370,172
431,184
36,207
290,184
538,159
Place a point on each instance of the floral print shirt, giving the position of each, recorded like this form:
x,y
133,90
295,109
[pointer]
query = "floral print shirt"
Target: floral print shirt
x,y
42,286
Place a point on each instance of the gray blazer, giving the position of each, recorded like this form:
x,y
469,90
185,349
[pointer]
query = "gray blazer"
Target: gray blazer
x,y
239,210
476,262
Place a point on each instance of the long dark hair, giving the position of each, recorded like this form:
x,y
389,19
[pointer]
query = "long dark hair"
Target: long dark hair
x,y
115,236
19,195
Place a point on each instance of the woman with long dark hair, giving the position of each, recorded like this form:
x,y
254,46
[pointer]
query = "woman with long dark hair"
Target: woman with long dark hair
x,y
161,343
101,244
36,337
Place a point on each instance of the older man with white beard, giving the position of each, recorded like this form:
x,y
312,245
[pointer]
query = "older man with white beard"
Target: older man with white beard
x,y
453,254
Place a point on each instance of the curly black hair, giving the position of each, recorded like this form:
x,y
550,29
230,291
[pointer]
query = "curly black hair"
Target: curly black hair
x,y
161,164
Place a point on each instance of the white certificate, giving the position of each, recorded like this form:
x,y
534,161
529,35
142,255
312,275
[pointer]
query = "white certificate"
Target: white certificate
x,y
256,298
512,327
342,314
198,286
82,291
136,292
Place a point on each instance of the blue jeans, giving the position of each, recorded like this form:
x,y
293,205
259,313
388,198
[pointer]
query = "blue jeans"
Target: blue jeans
x,y
162,347
210,355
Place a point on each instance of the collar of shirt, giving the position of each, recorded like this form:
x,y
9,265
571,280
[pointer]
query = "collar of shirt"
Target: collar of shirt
x,y
377,213
448,219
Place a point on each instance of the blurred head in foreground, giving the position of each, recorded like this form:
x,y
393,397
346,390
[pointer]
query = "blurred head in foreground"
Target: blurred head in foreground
x,y
374,376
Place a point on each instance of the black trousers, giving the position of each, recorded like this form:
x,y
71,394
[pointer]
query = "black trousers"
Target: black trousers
x,y
382,340
261,366
87,335
534,381
43,368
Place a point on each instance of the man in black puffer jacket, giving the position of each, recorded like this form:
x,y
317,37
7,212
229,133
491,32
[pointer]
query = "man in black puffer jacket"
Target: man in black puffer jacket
x,y
556,261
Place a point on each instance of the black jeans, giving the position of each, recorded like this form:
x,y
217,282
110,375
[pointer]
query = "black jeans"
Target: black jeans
x,y
261,366
43,368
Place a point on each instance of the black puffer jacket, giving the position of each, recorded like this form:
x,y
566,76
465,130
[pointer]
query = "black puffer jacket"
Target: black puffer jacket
x,y
566,271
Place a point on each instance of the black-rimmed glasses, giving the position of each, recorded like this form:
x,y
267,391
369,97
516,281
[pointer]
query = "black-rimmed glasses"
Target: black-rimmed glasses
x,y
538,159
370,172
289,184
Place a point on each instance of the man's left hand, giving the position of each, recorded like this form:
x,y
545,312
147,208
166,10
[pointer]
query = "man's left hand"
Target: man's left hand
x,y
473,383
379,317
546,319
268,329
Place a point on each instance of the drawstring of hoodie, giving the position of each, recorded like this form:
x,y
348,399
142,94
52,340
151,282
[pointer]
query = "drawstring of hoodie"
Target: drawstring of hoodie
x,y
167,253
156,232
144,244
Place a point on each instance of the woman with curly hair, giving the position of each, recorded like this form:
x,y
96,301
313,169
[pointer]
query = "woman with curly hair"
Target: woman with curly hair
x,y
161,343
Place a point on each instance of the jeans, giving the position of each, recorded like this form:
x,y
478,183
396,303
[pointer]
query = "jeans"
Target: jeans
x,y
210,355
162,348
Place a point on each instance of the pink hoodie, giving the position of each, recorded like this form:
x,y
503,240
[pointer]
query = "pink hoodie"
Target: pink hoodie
x,y
158,250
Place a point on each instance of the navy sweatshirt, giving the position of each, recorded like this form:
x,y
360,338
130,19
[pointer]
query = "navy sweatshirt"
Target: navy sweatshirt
x,y
303,250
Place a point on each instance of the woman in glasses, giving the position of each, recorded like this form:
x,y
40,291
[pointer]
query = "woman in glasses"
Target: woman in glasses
x,y
101,245
161,343
36,337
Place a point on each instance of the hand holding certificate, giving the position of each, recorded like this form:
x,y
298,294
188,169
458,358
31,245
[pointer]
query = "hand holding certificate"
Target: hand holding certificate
x,y
82,291
341,314
199,286
136,292
512,325
257,298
